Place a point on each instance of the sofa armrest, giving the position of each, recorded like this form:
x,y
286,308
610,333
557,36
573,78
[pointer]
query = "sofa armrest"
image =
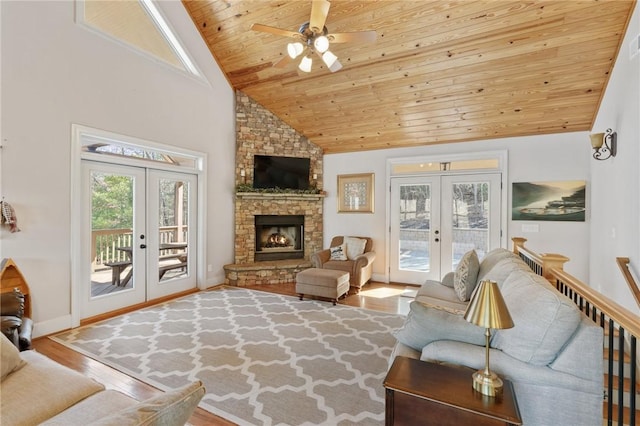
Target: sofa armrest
x,y
506,366
319,258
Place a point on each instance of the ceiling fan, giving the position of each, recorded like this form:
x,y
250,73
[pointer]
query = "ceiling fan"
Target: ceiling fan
x,y
313,37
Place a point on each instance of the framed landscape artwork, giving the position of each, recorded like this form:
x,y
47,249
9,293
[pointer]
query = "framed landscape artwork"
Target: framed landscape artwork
x,y
550,201
355,193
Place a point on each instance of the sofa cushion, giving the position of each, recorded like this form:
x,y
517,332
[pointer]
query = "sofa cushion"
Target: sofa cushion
x,y
543,319
41,382
425,325
338,252
171,408
503,268
10,359
355,246
465,276
490,260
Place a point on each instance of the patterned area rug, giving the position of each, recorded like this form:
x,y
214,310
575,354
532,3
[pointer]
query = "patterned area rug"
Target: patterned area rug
x,y
265,359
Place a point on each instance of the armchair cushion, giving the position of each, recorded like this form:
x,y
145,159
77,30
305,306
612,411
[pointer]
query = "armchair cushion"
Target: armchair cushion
x,y
355,247
338,252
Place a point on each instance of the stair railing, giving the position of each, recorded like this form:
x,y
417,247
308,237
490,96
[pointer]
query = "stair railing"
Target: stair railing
x,y
614,318
623,264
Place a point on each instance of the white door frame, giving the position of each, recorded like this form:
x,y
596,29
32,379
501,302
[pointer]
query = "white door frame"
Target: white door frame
x,y
79,134
502,167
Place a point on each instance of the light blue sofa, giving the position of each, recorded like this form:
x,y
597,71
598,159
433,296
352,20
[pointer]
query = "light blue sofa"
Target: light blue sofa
x,y
552,355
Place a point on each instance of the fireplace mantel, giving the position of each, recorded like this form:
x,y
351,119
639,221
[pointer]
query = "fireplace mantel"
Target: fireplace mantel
x,y
277,196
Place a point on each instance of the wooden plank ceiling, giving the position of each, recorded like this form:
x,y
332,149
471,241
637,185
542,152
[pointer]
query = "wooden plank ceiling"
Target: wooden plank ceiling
x,y
439,72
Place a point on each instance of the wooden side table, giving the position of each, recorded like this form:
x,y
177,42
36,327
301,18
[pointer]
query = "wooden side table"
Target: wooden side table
x,y
424,393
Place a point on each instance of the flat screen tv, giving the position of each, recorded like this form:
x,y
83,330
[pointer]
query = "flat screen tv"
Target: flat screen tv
x,y
280,172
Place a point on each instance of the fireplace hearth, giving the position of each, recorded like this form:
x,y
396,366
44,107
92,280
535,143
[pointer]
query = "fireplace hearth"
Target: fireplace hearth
x,y
279,237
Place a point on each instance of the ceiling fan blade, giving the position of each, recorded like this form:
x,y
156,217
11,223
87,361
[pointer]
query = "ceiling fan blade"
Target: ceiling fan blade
x,y
274,30
319,12
356,36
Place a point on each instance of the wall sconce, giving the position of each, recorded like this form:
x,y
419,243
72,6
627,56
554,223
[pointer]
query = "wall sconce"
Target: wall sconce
x,y
609,140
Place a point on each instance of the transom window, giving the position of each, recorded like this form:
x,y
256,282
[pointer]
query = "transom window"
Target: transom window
x,y
138,24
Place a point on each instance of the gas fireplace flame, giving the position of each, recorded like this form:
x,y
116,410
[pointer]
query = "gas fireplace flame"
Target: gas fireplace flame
x,y
277,240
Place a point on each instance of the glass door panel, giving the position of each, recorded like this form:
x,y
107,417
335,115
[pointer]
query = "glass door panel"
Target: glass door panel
x,y
414,230
114,206
471,206
172,253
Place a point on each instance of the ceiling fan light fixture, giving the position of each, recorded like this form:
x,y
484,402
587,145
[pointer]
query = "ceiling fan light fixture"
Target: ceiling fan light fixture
x,y
305,64
321,43
329,58
294,49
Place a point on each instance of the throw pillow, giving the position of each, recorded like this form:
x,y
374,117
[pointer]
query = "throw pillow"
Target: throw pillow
x,y
10,359
425,325
171,408
355,247
465,276
339,252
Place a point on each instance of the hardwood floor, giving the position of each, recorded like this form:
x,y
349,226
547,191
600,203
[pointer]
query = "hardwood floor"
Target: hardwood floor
x,y
374,296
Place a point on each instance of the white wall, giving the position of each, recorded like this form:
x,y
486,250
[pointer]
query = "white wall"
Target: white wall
x,y
55,73
536,158
615,228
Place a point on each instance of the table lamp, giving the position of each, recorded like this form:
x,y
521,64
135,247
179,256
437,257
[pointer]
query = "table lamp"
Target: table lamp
x,y
487,309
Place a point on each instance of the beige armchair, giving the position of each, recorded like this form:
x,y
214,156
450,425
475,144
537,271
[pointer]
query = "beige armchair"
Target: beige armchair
x,y
360,268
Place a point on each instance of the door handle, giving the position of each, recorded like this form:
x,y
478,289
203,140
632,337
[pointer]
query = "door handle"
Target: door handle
x,y
437,240
143,246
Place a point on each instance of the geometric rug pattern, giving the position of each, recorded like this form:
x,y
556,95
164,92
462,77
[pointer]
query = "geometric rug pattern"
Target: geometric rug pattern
x,y
264,358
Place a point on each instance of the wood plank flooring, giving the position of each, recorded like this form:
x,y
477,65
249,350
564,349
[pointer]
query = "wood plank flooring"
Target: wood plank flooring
x,y
374,296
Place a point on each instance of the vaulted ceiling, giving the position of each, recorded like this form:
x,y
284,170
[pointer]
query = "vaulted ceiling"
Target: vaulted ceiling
x,y
439,71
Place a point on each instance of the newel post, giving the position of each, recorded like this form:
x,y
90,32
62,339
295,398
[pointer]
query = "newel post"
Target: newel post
x,y
518,243
550,261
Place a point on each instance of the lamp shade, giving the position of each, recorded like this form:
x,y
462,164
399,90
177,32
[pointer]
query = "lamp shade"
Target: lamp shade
x,y
487,308
596,140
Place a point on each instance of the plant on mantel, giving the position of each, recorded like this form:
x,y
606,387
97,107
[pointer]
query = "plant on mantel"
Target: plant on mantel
x,y
243,188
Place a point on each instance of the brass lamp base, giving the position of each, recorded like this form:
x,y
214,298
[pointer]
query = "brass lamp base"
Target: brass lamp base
x,y
487,383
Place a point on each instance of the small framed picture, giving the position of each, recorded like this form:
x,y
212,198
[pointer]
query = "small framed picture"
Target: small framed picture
x,y
355,193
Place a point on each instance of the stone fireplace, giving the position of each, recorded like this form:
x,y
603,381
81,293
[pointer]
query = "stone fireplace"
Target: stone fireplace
x,y
259,132
279,237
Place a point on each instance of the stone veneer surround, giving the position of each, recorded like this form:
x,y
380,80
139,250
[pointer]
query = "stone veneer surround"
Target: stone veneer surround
x,y
260,132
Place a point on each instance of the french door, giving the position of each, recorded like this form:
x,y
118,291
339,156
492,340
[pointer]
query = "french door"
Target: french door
x,y
435,219
138,226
